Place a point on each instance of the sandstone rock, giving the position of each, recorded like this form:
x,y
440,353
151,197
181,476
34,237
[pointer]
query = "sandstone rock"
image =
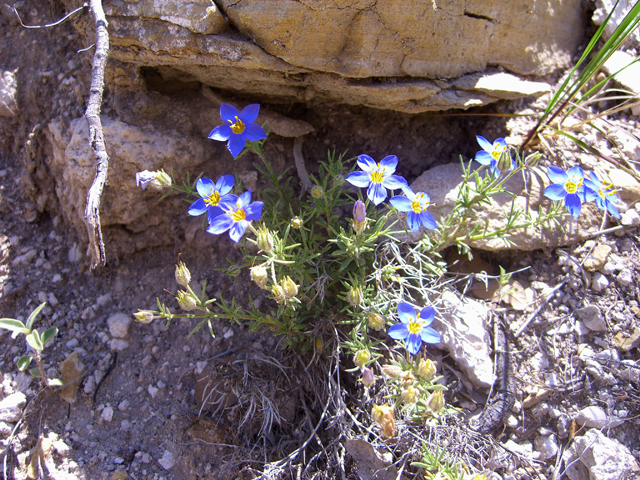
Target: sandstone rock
x,y
443,182
593,456
8,92
390,54
598,257
71,368
466,337
132,149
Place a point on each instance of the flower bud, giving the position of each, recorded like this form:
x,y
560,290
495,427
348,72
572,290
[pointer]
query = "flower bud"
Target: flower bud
x,y
393,371
376,321
338,180
144,178
296,222
259,275
361,358
435,402
183,275
144,316
383,416
368,378
163,178
426,369
265,240
504,162
354,297
317,191
186,301
278,293
233,270
289,287
409,395
532,160
359,216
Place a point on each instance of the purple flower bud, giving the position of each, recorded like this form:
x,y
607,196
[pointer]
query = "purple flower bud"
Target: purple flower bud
x,y
359,211
368,378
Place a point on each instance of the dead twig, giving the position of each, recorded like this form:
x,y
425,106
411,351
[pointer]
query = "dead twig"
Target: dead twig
x,y
96,136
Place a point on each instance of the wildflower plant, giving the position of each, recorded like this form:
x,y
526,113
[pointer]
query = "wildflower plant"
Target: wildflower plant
x,y
331,261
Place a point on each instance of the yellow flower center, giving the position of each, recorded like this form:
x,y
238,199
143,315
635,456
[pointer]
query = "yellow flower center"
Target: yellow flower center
x,y
497,151
607,189
238,215
572,187
418,205
238,126
377,176
213,199
415,327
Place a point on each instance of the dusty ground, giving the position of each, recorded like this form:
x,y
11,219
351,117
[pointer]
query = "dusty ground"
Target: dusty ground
x,y
146,408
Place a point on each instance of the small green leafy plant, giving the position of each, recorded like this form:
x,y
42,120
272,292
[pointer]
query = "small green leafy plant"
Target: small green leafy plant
x,y
36,341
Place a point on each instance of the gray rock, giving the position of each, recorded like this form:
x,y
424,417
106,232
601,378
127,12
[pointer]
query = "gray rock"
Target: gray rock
x,y
466,337
599,282
119,325
546,446
592,318
8,93
630,218
11,407
625,277
596,417
604,8
167,461
593,456
630,76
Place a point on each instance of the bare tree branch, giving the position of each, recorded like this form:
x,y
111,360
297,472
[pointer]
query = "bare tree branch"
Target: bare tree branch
x,y
96,137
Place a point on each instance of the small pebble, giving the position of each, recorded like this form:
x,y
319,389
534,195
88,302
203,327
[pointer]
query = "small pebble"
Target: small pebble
x,y
107,414
119,325
153,391
599,282
124,405
630,218
625,277
167,461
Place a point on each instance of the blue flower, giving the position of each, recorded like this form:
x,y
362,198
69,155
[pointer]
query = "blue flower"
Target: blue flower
x,y
238,212
602,192
144,178
238,127
491,153
377,177
212,194
416,204
414,329
566,186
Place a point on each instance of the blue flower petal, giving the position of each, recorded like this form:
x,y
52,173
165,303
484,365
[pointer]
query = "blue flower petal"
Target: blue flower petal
x,y
390,162
366,163
401,203
221,133
213,212
228,113
484,144
484,158
399,331
253,132
244,199
413,343
359,179
573,204
406,313
575,174
427,314
249,113
612,209
235,144
394,182
197,208
237,230
557,175
254,211
429,335
220,224
205,186
428,221
224,184
376,193
555,192
413,220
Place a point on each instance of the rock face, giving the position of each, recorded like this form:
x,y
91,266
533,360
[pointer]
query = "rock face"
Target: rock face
x,y
405,55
